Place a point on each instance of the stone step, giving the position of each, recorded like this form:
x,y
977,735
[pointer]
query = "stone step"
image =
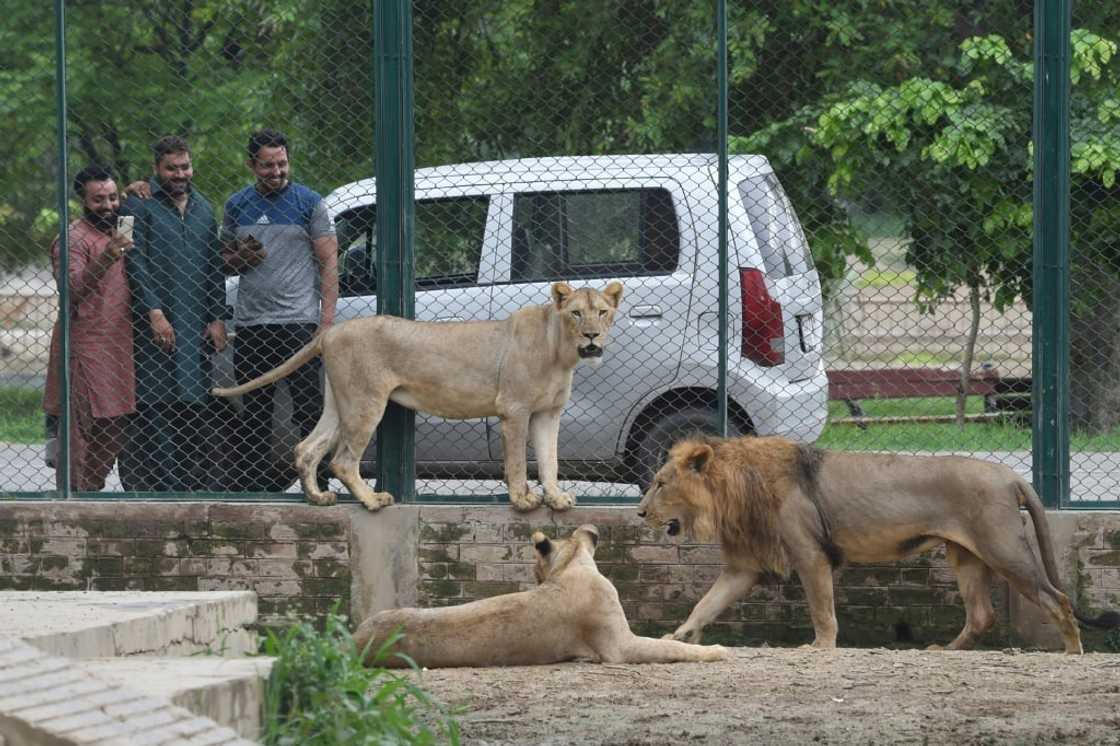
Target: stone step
x,y
46,700
106,624
229,691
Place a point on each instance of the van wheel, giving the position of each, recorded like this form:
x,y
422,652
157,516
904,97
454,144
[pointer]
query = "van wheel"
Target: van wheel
x,y
660,435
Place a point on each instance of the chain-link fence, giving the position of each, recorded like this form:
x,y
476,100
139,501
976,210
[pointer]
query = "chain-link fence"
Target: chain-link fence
x,y
879,212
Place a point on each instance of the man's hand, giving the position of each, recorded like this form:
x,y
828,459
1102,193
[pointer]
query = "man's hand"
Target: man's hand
x,y
140,189
245,253
162,332
251,250
118,245
216,333
114,250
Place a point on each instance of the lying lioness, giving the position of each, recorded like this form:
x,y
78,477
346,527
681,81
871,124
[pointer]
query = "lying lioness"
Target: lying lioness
x,y
519,370
776,505
573,613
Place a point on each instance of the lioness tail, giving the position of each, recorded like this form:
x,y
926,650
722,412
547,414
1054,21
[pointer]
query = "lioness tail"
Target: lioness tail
x,y
1029,499
310,351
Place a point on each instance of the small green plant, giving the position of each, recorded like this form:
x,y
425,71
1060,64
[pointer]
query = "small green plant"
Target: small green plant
x,y
320,694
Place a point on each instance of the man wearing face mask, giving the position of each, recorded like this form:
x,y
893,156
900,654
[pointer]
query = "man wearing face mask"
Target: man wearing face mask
x,y
278,236
102,381
175,272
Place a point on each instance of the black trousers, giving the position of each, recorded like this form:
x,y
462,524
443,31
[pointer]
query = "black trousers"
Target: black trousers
x,y
166,450
257,350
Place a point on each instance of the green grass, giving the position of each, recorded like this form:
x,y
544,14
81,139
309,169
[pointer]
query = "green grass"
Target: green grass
x,y
21,415
320,694
876,278
976,437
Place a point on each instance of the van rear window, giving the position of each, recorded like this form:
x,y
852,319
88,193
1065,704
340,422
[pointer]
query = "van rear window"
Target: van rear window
x,y
776,228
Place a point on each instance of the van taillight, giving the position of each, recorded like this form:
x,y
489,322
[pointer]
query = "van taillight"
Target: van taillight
x,y
764,334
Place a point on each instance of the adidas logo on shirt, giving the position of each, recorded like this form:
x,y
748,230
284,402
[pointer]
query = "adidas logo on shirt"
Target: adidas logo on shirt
x,y
262,220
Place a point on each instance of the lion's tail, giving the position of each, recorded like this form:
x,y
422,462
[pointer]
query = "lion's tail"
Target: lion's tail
x,y
1029,499
309,352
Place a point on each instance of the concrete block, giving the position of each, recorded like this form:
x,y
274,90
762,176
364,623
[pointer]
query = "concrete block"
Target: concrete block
x,y
228,691
80,624
383,557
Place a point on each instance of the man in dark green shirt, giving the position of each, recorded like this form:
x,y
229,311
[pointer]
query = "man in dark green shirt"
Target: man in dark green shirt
x,y
178,291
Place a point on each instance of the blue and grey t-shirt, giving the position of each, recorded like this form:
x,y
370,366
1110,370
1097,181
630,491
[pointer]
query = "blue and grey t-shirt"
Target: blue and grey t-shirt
x,y
284,288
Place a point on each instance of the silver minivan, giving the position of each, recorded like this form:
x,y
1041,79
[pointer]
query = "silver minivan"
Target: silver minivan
x,y
491,237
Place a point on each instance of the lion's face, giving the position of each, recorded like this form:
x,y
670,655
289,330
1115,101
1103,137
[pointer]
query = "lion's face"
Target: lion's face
x,y
679,493
586,316
553,555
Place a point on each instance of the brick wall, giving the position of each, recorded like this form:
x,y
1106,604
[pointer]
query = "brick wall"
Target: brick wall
x,y
469,553
305,559
294,557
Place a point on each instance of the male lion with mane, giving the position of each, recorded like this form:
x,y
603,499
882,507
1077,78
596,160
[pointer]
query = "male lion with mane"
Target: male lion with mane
x,y
573,613
775,506
518,369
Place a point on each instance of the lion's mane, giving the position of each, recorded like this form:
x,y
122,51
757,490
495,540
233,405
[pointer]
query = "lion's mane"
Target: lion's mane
x,y
737,497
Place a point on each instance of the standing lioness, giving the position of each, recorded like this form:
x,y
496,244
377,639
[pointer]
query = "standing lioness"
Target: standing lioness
x,y
573,613
519,370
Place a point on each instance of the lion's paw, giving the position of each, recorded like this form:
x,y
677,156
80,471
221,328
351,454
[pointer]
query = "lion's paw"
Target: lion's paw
x,y
560,500
323,498
684,635
525,501
717,653
935,648
377,500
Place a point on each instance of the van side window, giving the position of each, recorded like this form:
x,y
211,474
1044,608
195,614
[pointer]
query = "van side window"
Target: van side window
x,y
603,233
447,242
357,240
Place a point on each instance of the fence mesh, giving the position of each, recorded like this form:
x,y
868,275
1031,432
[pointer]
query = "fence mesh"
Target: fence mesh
x,y
880,227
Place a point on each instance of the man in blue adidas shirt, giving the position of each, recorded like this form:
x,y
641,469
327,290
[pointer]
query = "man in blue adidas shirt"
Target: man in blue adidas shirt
x,y
278,236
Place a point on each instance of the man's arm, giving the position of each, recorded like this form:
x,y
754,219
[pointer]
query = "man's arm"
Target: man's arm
x,y
86,273
326,252
324,244
215,329
137,267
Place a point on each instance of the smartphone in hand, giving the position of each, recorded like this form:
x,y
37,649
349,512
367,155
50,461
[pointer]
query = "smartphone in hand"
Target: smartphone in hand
x,y
124,226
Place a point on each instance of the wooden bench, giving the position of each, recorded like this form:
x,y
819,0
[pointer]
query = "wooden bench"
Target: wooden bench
x,y
852,386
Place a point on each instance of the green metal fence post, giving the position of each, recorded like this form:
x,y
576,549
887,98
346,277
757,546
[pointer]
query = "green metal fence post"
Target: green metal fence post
x,y
721,76
62,458
1050,337
392,42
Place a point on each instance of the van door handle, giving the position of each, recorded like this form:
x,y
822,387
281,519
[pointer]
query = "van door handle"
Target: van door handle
x,y
645,312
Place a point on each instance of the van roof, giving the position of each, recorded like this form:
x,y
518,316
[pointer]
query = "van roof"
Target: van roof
x,y
558,168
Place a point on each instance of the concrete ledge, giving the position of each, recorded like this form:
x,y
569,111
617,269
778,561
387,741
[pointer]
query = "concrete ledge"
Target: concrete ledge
x,y
228,691
1087,551
79,624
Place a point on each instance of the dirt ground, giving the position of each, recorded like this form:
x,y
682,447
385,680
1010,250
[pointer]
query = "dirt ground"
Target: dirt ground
x,y
784,696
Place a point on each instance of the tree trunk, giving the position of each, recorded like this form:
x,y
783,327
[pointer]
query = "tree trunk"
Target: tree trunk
x,y
969,352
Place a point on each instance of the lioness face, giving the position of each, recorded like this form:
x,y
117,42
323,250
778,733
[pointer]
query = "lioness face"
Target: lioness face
x,y
553,555
587,315
679,491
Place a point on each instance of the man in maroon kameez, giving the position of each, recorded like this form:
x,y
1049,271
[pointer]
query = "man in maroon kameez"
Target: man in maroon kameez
x,y
102,377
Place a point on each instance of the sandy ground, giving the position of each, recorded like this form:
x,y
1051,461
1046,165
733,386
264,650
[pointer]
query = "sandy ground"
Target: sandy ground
x,y
784,696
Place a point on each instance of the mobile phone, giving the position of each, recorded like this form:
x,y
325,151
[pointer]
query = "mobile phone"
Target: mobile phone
x,y
124,226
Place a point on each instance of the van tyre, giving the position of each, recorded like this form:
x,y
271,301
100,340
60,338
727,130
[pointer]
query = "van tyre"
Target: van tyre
x,y
660,435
